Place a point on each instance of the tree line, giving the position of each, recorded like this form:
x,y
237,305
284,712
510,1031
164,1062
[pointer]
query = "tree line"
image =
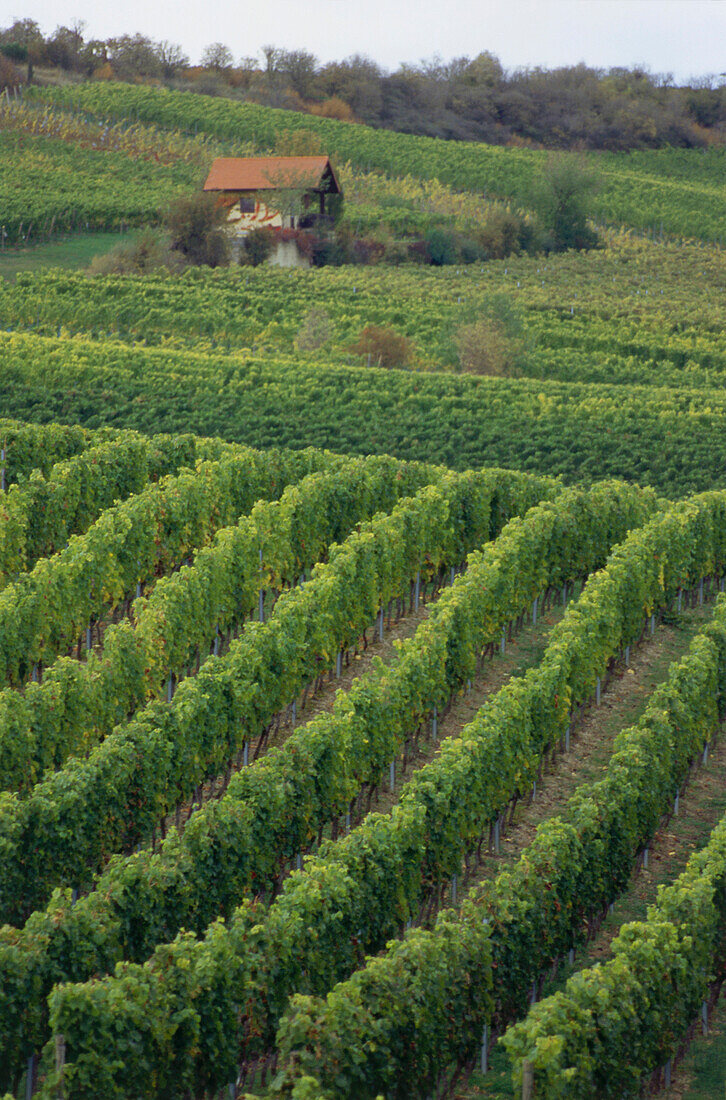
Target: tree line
x,y
466,99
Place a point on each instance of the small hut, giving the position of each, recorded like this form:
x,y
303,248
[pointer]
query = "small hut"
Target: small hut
x,y
273,193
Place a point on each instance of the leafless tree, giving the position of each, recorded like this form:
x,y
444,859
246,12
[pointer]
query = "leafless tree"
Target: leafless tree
x,y
217,56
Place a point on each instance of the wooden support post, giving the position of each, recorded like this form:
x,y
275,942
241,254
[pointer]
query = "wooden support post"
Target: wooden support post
x,y
60,1061
30,1076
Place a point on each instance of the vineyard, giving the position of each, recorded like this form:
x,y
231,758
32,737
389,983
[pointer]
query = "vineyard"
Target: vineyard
x,y
117,190
344,707
191,853
647,189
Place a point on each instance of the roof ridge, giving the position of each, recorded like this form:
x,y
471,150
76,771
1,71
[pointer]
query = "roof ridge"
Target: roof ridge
x,y
258,173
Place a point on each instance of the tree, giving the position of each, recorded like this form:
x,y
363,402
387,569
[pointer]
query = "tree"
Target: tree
x,y
491,340
25,32
196,223
298,68
272,55
134,55
357,81
217,56
93,55
172,57
562,199
64,46
245,73
23,41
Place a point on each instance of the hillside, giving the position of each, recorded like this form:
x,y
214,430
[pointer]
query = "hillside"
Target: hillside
x,y
362,627
639,190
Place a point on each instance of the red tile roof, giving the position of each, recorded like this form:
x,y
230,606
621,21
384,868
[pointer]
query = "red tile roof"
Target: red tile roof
x,y
267,173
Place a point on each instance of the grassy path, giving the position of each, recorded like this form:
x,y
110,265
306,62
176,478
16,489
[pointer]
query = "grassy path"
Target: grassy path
x,y
73,252
523,651
702,1073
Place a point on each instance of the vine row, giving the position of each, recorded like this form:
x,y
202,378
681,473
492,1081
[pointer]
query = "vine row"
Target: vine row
x,y
38,516
46,611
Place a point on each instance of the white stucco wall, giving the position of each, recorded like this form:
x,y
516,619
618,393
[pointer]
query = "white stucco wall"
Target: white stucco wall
x,y
287,254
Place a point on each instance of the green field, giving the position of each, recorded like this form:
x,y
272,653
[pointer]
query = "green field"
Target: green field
x,y
70,253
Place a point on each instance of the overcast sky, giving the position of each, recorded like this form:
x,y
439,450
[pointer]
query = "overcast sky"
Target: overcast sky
x,y
683,37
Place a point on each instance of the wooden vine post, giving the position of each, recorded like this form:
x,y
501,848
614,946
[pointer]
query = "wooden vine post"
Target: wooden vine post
x,y
527,1080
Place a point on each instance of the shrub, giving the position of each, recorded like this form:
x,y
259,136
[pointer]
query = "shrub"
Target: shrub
x,y
315,331
365,250
501,236
104,72
334,107
493,343
258,246
327,251
383,346
10,77
442,247
196,223
418,253
149,252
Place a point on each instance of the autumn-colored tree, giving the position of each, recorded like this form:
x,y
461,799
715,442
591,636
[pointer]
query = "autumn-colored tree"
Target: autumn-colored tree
x,y
382,346
334,107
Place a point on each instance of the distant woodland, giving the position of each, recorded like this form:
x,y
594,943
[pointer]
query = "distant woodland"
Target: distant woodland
x,y
469,99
